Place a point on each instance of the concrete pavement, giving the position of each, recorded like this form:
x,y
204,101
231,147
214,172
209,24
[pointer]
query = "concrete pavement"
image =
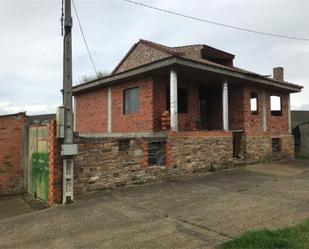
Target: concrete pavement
x,y
194,212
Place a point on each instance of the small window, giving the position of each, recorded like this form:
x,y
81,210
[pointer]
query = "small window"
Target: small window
x,y
182,95
254,103
124,145
156,153
131,100
275,106
276,145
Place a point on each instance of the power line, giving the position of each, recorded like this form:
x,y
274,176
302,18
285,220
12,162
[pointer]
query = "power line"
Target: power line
x,y
217,23
84,38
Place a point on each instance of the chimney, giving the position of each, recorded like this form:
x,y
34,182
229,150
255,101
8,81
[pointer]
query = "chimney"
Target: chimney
x,y
278,73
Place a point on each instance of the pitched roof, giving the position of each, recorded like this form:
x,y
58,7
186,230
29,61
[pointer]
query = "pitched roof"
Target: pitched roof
x,y
302,116
299,118
14,114
181,54
177,51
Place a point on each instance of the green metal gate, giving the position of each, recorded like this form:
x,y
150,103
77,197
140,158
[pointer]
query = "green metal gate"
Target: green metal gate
x,y
39,162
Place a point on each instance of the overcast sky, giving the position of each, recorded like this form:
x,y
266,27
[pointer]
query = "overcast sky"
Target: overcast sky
x,y
31,42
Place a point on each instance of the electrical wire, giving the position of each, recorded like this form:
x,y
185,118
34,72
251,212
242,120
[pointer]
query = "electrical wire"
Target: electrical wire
x,y
84,38
217,23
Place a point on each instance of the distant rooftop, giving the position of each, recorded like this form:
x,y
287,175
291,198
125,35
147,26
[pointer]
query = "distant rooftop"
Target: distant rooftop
x,y
41,119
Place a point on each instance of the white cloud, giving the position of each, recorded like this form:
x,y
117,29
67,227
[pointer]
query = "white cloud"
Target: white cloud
x,y
31,44
7,108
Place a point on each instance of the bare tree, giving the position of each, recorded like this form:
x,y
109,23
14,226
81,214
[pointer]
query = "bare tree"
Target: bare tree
x,y
99,75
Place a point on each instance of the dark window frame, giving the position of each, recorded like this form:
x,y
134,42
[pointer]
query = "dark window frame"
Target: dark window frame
x,y
276,145
124,145
156,153
125,109
183,99
276,113
254,95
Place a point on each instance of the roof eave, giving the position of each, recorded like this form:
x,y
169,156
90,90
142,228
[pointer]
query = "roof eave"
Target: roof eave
x,y
184,62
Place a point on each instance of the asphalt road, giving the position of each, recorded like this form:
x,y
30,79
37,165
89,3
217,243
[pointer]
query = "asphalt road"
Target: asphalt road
x,y
194,212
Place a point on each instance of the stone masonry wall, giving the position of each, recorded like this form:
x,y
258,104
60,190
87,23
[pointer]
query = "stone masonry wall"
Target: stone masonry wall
x,y
200,151
141,55
106,163
259,148
102,163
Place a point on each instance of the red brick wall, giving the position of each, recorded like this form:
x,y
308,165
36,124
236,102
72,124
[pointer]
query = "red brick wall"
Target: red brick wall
x,y
135,122
236,107
278,124
253,123
91,111
214,108
186,121
91,108
11,152
55,166
159,101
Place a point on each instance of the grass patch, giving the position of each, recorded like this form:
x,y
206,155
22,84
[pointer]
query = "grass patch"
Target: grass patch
x,y
294,237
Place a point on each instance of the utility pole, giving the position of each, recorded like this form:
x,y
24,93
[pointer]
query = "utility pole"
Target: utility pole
x,y
68,149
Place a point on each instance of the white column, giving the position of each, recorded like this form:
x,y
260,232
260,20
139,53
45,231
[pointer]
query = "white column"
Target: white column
x,y
173,101
289,113
264,113
225,103
109,109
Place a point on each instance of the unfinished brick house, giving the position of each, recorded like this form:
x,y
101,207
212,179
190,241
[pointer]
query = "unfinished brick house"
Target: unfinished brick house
x,y
174,110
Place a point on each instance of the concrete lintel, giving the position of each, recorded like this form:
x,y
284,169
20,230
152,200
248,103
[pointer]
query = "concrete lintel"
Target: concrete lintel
x,y
125,135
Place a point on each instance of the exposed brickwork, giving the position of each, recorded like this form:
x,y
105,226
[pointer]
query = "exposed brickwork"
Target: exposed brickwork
x,y
91,111
253,123
236,108
135,122
214,109
141,54
153,103
277,124
11,152
55,166
186,121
